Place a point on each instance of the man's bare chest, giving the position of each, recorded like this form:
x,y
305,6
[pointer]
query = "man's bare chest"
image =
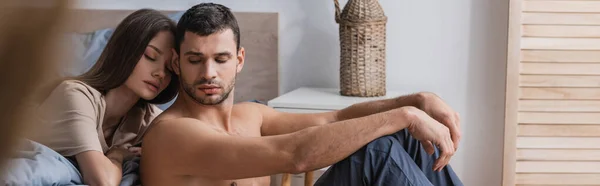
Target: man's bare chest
x,y
258,181
245,127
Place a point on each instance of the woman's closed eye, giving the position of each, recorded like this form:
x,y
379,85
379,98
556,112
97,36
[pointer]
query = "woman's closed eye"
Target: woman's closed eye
x,y
152,53
149,58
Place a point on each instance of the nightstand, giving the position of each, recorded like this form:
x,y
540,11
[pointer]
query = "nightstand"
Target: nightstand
x,y
314,100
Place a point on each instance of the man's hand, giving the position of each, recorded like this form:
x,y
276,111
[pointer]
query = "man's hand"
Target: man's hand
x,y
427,130
440,111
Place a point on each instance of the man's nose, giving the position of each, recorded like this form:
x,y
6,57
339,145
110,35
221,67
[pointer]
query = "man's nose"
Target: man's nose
x,y
210,71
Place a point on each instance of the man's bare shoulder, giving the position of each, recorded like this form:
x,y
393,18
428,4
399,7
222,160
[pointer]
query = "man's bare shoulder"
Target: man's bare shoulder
x,y
247,105
172,128
250,112
166,115
251,108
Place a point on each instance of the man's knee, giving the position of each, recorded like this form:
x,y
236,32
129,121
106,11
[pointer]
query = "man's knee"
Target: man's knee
x,y
375,151
381,144
385,143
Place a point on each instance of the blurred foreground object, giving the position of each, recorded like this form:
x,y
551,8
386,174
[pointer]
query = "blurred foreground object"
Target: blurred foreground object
x,y
29,54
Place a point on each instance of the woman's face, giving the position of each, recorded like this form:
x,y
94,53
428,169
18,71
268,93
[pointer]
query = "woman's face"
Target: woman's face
x,y
151,75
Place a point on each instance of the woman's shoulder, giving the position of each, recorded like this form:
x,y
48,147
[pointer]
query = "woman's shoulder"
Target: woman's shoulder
x,y
150,111
78,87
141,116
69,92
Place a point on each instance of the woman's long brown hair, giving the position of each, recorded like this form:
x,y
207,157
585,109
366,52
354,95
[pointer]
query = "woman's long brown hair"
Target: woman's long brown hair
x,y
125,48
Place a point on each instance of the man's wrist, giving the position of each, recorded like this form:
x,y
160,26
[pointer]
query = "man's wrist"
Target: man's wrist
x,y
421,98
408,114
415,100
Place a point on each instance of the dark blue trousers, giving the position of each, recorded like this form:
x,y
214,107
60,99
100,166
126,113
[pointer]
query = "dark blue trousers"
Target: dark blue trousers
x,y
392,160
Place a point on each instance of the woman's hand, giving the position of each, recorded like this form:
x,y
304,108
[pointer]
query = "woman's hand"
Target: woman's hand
x,y
136,151
122,154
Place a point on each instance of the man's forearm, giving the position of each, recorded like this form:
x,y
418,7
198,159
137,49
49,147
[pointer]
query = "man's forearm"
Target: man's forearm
x,y
377,106
318,147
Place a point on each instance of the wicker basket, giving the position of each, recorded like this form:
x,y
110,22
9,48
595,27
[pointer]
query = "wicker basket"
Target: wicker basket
x,y
362,26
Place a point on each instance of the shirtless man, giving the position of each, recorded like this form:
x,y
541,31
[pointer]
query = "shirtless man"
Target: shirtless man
x,y
206,139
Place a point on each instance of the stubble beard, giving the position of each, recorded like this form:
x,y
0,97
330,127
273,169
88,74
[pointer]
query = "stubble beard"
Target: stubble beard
x,y
207,100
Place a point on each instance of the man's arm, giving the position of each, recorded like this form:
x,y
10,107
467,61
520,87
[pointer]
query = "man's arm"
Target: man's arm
x,y
377,106
275,122
281,123
195,148
426,101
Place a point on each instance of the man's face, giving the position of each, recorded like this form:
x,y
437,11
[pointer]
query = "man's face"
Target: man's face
x,y
208,65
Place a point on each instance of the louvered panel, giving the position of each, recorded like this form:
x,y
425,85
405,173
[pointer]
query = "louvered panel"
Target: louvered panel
x,y
562,6
560,19
560,93
558,155
559,118
558,179
559,130
560,56
561,31
558,142
560,68
559,105
557,167
560,81
560,43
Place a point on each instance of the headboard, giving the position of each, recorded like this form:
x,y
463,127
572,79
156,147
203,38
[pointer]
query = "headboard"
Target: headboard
x,y
259,36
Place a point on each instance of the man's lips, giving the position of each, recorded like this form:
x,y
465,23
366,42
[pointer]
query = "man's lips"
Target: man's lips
x,y
209,89
208,86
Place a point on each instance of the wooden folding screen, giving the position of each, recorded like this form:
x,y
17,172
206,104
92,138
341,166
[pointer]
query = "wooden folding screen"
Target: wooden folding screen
x,y
552,124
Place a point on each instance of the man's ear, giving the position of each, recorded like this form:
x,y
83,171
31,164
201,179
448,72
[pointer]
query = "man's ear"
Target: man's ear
x,y
175,62
241,59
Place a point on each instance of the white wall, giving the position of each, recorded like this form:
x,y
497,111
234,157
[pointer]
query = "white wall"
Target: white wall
x,y
454,48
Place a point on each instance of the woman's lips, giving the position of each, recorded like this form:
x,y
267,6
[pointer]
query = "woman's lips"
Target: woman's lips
x,y
152,86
